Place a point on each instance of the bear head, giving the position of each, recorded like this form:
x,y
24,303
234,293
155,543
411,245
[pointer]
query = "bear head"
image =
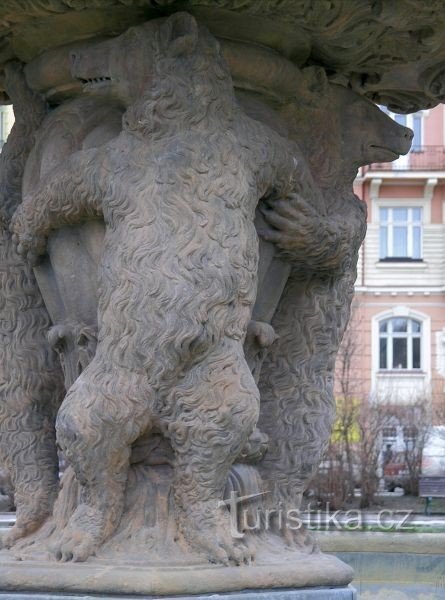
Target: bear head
x,y
157,67
339,130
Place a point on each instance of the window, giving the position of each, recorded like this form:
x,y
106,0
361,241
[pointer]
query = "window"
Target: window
x,y
417,124
400,233
389,435
409,433
399,344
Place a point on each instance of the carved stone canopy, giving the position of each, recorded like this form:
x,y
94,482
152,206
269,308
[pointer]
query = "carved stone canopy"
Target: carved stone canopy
x,y
393,52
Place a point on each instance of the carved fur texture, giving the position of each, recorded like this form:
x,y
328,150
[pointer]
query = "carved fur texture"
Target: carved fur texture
x,y
178,190
31,387
338,131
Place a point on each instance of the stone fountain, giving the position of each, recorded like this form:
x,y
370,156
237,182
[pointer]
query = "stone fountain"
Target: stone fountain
x,y
178,247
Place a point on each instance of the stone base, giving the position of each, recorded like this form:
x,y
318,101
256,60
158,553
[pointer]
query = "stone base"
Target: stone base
x,y
112,577
145,557
344,593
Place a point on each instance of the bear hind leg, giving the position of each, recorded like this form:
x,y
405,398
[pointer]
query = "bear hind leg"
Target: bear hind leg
x,y
216,409
96,427
31,458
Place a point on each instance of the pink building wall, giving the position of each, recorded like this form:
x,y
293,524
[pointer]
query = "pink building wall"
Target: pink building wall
x,y
400,286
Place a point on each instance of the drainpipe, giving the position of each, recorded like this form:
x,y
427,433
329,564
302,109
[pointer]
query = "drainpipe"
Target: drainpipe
x,y
364,241
374,189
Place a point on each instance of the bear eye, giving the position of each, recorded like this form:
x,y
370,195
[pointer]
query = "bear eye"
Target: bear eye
x,y
60,346
82,340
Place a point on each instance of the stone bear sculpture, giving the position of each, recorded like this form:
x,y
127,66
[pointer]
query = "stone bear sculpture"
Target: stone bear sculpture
x,y
31,382
338,131
67,275
178,189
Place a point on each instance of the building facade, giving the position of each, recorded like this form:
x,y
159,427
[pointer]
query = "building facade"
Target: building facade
x,y
399,314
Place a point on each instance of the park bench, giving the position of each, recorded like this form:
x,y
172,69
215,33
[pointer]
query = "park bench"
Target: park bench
x,y
429,488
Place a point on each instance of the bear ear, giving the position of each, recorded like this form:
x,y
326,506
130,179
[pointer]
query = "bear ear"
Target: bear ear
x,y
181,34
316,81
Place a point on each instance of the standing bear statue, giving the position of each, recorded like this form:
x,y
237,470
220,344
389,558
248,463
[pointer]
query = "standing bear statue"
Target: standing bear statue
x,y
338,131
31,382
178,189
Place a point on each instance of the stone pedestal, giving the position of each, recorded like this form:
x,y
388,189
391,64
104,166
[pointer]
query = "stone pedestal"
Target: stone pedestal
x,y
102,577
344,593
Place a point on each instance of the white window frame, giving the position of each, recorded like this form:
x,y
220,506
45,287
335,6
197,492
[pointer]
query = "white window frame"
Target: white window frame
x,y
409,335
409,224
425,344
389,439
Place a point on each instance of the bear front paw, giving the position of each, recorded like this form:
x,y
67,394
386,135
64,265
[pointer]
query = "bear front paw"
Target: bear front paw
x,y
81,537
206,528
30,247
290,222
27,243
301,540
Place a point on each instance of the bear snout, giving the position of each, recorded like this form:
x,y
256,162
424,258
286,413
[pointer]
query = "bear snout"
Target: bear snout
x,y
405,136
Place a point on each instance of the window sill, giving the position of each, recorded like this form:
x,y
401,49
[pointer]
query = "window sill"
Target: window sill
x,y
401,264
401,373
397,259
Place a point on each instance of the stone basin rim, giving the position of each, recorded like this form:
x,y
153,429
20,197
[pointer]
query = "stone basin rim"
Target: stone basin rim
x,y
92,577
